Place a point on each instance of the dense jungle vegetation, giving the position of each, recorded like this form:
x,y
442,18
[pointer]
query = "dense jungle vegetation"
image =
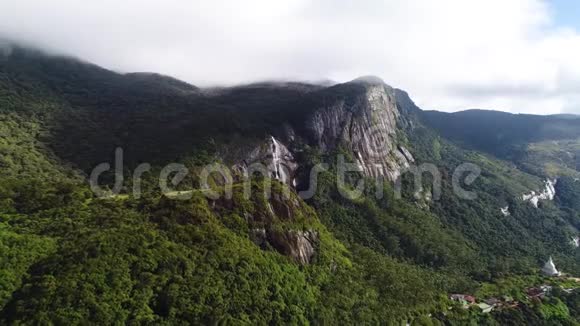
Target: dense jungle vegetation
x,y
68,256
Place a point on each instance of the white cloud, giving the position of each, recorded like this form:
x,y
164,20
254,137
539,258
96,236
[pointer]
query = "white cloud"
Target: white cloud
x,y
449,54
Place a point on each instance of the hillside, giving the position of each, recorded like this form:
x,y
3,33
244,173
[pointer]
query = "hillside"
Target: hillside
x,y
542,145
70,255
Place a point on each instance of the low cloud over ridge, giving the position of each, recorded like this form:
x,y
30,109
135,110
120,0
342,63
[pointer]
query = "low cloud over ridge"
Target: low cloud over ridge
x,y
449,54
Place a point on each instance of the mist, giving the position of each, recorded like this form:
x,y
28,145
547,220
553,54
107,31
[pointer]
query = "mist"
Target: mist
x,y
449,55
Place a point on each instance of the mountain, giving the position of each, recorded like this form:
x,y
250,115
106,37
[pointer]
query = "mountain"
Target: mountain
x,y
543,145
372,245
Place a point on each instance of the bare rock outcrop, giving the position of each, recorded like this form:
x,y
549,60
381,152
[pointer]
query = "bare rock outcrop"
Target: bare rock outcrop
x,y
300,245
365,121
272,158
282,223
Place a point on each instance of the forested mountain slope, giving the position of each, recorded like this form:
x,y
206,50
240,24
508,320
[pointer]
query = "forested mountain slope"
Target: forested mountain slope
x,y
544,145
70,256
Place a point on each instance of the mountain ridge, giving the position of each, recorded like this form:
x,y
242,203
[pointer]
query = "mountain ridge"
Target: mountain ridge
x,y
385,256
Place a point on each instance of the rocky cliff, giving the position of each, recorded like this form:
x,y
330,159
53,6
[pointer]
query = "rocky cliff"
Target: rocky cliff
x,y
362,116
281,221
366,123
271,158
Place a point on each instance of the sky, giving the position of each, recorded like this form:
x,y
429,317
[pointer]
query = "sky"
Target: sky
x,y
510,55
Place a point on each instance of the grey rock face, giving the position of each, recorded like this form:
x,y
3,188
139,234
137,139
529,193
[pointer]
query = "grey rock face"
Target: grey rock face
x,y
258,236
366,125
297,242
300,245
362,117
271,157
